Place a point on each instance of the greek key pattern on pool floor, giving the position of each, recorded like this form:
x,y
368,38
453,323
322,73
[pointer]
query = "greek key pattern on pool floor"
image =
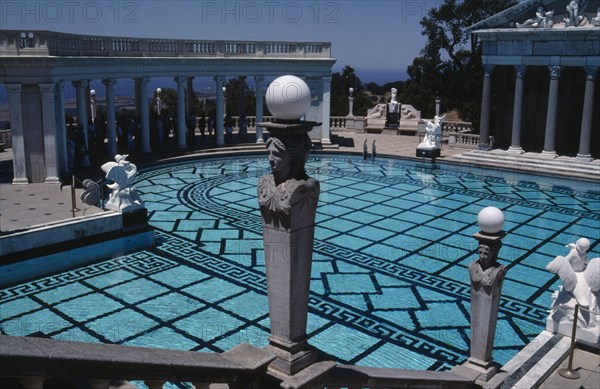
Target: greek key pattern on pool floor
x,y
389,284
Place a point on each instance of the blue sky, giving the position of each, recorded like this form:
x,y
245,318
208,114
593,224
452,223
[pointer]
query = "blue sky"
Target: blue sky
x,y
366,35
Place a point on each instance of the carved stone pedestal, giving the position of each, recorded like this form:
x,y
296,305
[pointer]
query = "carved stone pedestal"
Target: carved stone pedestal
x,y
428,153
288,203
487,276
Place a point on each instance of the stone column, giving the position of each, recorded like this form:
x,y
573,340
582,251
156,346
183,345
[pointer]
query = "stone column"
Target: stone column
x,y
326,101
484,126
515,144
82,107
242,107
49,131
585,139
144,115
220,130
61,130
487,276
189,96
550,136
18,140
111,127
181,138
137,82
259,107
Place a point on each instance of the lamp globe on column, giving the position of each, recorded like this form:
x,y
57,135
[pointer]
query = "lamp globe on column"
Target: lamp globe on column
x,y
490,220
288,97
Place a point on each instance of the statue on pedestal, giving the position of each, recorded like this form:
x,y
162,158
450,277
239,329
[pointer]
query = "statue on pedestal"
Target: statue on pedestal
x,y
433,135
487,277
393,111
124,197
581,286
288,202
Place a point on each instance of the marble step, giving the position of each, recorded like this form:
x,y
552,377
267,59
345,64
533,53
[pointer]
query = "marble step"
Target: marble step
x,y
533,161
536,361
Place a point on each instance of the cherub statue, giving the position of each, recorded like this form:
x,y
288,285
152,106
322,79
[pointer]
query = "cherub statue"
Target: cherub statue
x,y
433,135
580,277
123,197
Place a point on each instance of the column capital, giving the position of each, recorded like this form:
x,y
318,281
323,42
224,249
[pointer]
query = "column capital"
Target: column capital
x,y
326,78
219,78
109,82
554,72
142,80
591,72
80,83
180,80
46,88
258,79
13,88
520,70
59,86
487,70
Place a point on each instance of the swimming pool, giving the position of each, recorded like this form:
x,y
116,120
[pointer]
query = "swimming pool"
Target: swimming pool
x,y
390,284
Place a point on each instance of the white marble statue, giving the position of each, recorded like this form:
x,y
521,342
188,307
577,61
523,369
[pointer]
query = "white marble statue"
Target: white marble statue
x,y
573,18
596,19
123,197
542,19
581,285
433,135
377,112
393,105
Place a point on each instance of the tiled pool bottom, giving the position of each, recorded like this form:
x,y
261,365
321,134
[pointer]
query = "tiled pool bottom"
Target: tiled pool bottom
x,y
390,285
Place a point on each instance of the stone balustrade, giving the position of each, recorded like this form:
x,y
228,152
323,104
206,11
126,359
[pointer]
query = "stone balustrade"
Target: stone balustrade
x,y
466,141
457,127
47,43
337,123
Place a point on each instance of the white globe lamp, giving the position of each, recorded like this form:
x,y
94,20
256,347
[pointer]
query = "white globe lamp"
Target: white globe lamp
x,y
490,220
288,97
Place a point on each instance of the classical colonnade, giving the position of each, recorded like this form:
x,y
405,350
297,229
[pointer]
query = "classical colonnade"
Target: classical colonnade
x,y
36,73
585,138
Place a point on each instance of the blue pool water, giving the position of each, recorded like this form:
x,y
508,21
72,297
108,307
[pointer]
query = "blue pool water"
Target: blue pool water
x,y
390,284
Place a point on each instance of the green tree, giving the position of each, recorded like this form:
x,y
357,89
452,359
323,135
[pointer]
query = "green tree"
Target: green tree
x,y
340,91
233,89
448,67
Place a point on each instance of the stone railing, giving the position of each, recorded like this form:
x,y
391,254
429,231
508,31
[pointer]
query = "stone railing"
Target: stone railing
x,y
33,360
250,121
465,141
457,127
337,122
48,43
6,138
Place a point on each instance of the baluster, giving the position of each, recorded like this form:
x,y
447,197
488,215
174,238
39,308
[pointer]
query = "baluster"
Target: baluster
x,y
32,382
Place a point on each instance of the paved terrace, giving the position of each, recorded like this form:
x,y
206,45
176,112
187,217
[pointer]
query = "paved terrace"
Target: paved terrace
x,y
22,206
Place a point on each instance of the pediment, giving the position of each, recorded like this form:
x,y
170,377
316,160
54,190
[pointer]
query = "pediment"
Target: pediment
x,y
545,14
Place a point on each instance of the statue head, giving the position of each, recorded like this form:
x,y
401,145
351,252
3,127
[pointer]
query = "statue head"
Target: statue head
x,y
394,93
488,255
582,245
287,156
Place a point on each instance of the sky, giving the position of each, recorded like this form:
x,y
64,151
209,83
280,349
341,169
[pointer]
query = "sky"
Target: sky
x,y
377,38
